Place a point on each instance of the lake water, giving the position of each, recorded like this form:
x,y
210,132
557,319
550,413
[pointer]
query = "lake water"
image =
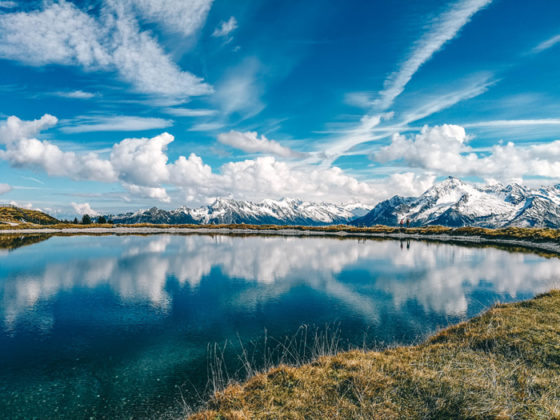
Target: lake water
x,y
119,326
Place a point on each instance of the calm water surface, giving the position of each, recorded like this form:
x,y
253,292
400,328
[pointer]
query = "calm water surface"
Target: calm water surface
x,y
119,326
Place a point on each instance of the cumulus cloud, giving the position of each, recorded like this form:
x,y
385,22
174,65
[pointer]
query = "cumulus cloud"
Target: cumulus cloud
x,y
250,142
445,149
142,161
61,33
84,208
142,167
22,149
225,27
4,188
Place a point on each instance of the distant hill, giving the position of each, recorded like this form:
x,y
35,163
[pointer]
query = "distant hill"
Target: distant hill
x,y
227,211
15,216
456,203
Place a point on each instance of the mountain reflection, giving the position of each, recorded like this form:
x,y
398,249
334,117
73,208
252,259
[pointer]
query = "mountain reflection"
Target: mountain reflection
x,y
438,277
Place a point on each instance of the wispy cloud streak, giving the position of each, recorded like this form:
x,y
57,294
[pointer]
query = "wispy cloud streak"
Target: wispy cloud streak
x,y
549,43
444,29
514,123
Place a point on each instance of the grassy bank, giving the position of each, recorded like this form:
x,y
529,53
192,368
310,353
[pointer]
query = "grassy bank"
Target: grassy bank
x,y
533,234
502,364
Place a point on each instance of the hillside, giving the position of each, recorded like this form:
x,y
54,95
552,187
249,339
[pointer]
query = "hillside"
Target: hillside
x,y
456,203
16,216
502,364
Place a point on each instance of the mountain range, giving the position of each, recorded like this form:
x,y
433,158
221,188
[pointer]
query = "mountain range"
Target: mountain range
x,y
455,203
228,211
451,202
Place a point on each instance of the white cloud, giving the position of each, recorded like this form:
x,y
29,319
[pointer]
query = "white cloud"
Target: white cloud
x,y
84,208
250,142
142,161
61,33
240,91
75,94
141,60
444,149
8,4
225,27
156,193
359,99
443,29
439,102
361,134
187,112
514,123
182,16
142,167
113,123
549,43
23,150
5,188
210,126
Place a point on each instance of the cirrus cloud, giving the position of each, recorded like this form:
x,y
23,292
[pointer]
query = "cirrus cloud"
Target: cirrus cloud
x,y
250,142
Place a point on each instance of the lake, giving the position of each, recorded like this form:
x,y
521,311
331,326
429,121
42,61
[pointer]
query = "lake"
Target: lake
x,y
121,326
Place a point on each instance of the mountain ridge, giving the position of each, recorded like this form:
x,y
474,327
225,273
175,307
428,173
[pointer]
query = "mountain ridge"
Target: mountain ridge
x,y
228,211
457,203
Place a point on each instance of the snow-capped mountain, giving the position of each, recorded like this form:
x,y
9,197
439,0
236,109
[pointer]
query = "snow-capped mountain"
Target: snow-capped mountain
x,y
227,211
456,203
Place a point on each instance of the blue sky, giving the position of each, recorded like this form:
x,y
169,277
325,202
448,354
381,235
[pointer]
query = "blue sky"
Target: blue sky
x,y
110,105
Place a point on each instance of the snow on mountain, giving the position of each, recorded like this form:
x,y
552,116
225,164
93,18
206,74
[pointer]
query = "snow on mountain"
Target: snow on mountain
x,y
453,202
227,211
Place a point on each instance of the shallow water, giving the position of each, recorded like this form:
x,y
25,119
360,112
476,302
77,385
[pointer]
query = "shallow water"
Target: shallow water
x,y
119,326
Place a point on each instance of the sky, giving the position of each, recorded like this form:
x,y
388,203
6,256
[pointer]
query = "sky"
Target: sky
x,y
108,106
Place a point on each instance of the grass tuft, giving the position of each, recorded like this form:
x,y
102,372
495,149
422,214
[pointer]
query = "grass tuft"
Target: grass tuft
x,y
502,364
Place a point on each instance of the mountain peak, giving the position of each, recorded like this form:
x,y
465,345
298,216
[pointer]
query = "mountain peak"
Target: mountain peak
x,y
453,202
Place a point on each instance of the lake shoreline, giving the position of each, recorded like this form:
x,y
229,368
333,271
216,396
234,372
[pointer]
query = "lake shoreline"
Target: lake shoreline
x,y
501,364
449,235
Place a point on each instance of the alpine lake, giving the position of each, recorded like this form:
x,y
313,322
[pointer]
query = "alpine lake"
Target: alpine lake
x,y
137,326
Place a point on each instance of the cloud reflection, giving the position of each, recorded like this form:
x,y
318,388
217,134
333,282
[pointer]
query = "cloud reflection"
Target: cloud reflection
x,y
438,277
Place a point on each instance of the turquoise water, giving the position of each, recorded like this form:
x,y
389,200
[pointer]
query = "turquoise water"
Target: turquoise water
x,y
119,326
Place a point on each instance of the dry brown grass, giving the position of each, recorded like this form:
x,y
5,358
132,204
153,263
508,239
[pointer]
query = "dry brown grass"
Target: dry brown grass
x,y
503,364
18,215
529,234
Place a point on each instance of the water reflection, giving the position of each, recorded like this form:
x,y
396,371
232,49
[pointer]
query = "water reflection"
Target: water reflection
x,y
437,276
123,322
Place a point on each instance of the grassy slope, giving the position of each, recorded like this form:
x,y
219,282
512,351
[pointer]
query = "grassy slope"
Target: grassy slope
x,y
531,234
17,215
502,364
